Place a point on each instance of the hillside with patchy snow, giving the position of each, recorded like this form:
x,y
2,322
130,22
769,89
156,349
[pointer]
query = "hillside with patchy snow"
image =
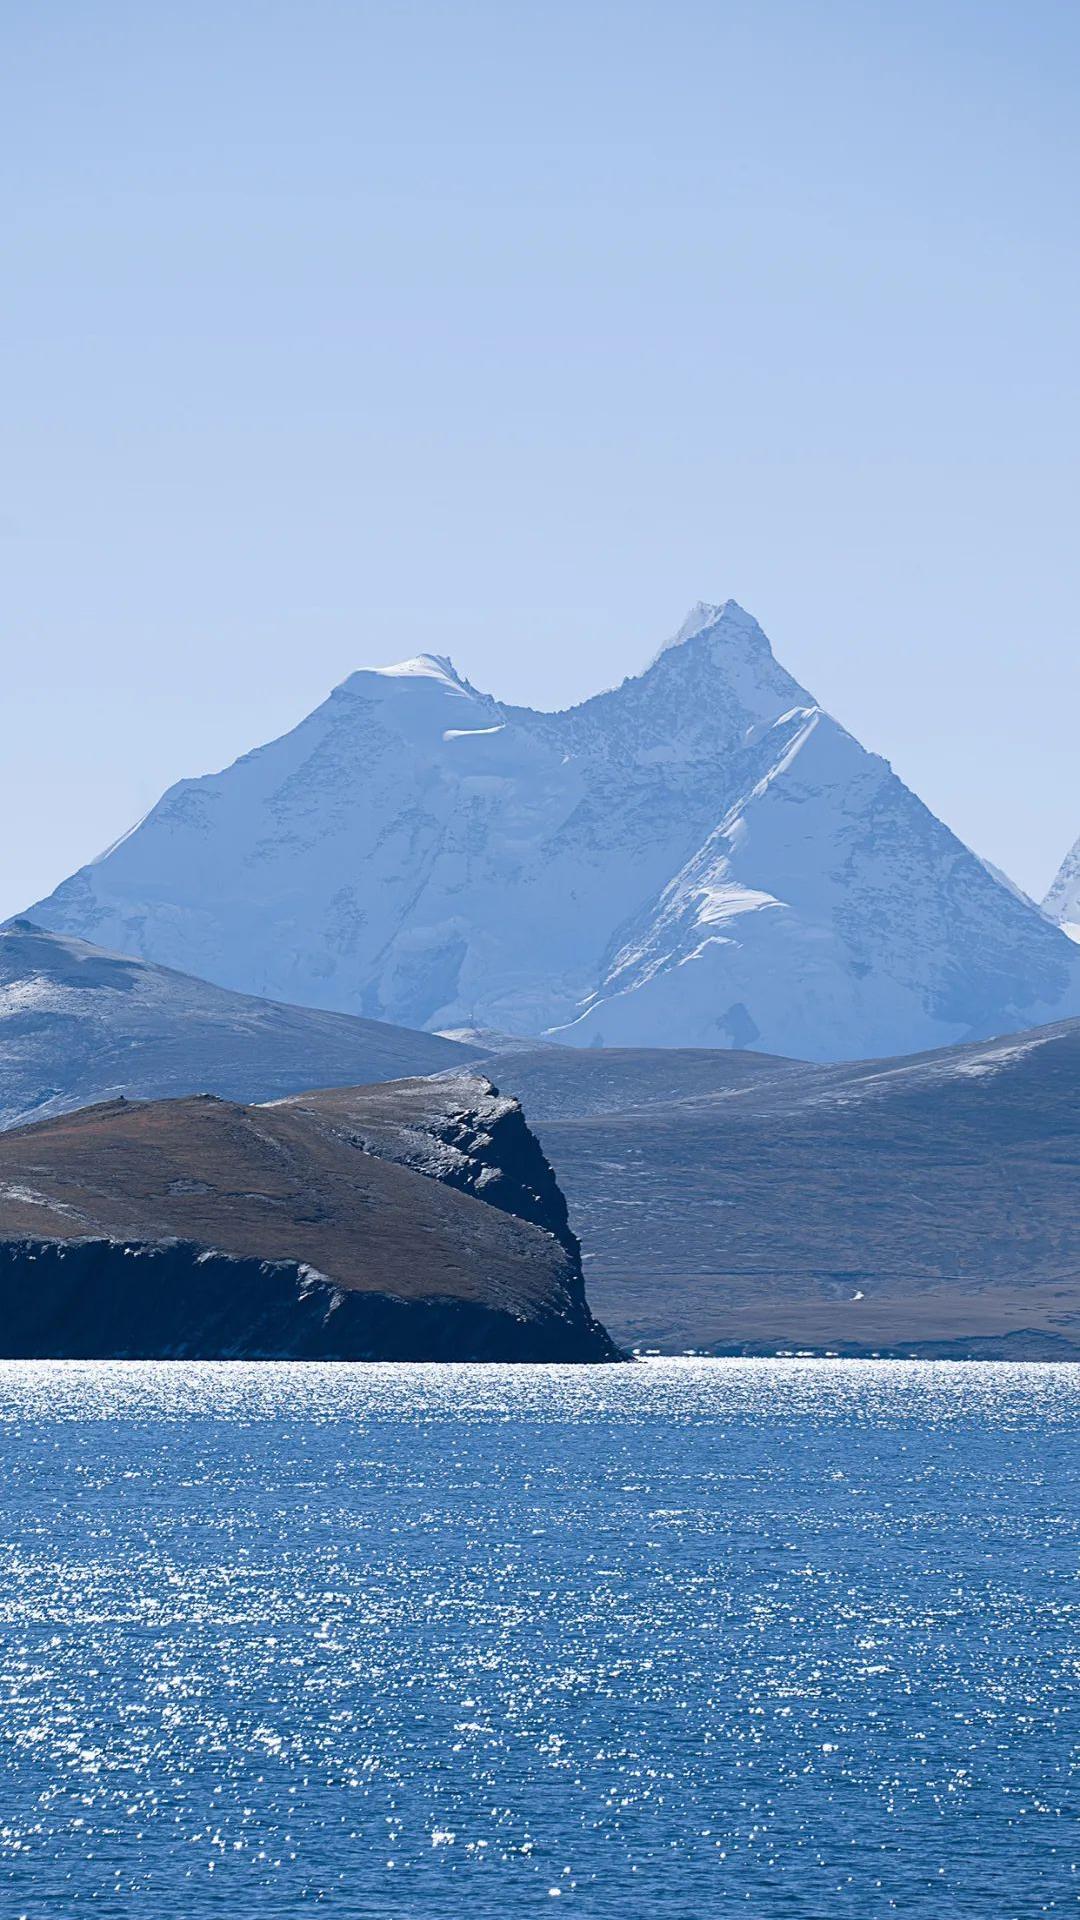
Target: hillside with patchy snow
x,y
78,1025
924,1205
699,857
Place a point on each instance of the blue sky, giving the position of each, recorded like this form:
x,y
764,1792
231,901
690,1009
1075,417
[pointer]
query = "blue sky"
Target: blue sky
x,y
336,332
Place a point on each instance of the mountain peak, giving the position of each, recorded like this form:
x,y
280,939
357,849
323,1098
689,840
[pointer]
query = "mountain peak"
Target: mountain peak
x,y
1062,903
727,620
431,672
423,666
707,613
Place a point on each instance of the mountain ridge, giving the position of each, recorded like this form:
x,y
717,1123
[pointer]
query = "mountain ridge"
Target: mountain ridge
x,y
79,1025
734,1203
700,856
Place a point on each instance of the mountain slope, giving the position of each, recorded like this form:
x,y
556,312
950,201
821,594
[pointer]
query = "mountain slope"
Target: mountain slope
x,y
1062,903
914,1205
571,1083
414,1222
829,902
78,1025
699,857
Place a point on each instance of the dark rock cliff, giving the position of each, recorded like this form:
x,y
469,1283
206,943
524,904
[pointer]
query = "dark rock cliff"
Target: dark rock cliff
x,y
125,1300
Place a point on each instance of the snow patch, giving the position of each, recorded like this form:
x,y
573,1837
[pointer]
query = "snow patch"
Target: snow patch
x,y
423,666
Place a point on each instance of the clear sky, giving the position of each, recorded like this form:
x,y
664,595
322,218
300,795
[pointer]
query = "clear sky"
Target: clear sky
x,y
334,332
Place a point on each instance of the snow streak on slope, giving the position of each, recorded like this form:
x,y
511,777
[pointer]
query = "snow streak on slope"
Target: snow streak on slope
x,y
829,902
698,857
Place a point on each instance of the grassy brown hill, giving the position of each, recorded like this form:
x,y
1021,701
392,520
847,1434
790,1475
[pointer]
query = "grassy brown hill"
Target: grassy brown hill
x,y
417,1222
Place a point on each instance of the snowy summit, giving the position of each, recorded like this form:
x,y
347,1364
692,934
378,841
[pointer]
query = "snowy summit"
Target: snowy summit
x,y
699,857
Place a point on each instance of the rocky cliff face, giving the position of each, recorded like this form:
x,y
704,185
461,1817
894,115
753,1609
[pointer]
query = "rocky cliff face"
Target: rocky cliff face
x,y
456,1128
699,857
138,1300
353,1224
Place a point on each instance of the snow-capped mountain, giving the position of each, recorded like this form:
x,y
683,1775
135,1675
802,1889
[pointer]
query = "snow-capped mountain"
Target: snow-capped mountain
x,y
699,857
1062,903
78,1025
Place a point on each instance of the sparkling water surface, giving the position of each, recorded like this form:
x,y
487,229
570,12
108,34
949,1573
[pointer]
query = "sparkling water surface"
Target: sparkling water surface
x,y
770,1638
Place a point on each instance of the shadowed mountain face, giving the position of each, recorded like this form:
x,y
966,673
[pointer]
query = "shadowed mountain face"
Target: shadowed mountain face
x,y
928,1204
78,1025
414,1222
700,857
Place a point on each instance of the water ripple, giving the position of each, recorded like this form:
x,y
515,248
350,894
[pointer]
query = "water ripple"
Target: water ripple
x,y
765,1638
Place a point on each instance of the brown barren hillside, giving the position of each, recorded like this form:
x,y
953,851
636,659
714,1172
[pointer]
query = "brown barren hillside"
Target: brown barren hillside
x,y
419,1221
923,1205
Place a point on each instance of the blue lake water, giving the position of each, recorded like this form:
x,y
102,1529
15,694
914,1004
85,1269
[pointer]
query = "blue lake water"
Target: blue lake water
x,y
767,1638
